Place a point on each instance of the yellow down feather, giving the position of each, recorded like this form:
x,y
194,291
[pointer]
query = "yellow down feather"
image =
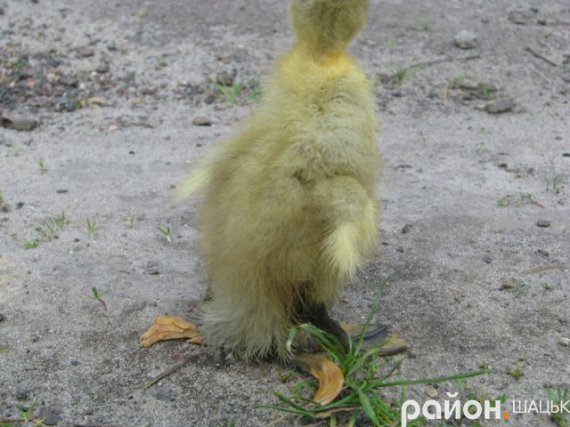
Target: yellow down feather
x,y
288,213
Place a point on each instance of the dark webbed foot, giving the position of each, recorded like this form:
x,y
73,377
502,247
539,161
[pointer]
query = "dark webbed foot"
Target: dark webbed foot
x,y
375,335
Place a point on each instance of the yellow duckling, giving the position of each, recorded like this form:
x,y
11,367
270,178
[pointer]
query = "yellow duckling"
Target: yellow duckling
x,y
289,213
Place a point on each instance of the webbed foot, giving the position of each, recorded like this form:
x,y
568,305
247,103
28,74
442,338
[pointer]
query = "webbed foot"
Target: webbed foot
x,y
376,335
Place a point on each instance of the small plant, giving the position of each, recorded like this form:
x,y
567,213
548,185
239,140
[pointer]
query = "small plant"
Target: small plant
x,y
528,199
487,91
425,25
129,221
558,396
364,378
91,228
402,74
59,221
503,202
255,91
517,371
166,233
49,229
521,290
285,377
31,244
555,184
479,148
25,416
161,64
42,166
230,93
456,82
98,298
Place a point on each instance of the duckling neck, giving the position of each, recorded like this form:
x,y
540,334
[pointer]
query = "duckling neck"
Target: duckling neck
x,y
319,56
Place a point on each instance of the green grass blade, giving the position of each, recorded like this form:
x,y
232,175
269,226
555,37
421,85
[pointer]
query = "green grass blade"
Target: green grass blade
x,y
381,383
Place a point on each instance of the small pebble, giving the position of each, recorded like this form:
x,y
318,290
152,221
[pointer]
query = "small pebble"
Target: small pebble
x,y
49,417
500,106
543,223
564,341
152,268
84,51
102,68
466,40
432,392
62,191
69,81
25,125
226,78
520,17
164,393
66,103
202,121
22,393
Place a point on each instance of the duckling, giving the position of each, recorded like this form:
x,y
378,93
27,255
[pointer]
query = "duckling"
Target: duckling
x,y
288,214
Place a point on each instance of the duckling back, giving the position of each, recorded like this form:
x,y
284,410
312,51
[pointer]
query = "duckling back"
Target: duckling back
x,y
289,213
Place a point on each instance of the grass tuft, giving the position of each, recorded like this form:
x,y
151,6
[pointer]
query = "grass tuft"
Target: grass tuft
x,y
92,228
366,376
558,396
165,231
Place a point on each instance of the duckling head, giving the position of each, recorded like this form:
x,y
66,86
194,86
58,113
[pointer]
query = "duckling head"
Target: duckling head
x,y
326,27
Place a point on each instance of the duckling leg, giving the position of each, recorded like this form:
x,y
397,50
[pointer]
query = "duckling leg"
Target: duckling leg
x,y
318,315
171,328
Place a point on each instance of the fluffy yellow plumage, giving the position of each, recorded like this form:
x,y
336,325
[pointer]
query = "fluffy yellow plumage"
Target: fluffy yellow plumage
x,y
289,214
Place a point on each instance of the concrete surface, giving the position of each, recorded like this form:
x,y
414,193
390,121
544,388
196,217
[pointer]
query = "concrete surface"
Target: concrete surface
x,y
475,281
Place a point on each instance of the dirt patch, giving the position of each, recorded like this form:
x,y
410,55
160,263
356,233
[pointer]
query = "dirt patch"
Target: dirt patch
x,y
128,95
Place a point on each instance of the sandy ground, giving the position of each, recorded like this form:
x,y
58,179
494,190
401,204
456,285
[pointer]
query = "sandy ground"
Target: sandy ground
x,y
476,214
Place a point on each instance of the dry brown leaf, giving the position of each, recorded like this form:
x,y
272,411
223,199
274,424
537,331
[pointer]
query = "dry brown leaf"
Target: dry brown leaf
x,y
170,328
331,379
